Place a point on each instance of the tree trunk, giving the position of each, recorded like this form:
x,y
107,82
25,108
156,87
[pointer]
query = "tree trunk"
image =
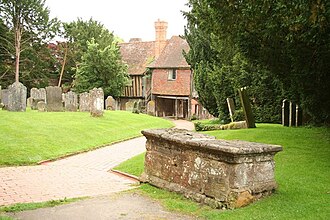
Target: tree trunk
x,y
63,65
18,36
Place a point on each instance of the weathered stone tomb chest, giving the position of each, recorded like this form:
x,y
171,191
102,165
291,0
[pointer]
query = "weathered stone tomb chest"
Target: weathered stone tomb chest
x,y
222,174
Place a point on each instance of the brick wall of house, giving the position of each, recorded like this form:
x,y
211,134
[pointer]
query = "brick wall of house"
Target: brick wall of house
x,y
161,85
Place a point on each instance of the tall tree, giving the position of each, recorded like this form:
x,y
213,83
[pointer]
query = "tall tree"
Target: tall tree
x,y
29,21
101,67
79,35
288,39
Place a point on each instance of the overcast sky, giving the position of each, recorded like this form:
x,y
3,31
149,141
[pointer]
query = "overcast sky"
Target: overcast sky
x,y
126,18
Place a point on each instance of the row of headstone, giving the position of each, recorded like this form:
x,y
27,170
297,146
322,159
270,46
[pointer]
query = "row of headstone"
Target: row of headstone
x,y
291,114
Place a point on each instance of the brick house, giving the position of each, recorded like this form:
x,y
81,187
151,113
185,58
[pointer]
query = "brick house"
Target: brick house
x,y
160,74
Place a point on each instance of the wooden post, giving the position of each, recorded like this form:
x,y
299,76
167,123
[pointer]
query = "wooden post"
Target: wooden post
x,y
176,108
285,112
249,118
292,114
298,116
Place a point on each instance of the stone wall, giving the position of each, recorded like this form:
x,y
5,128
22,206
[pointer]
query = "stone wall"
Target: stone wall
x,y
222,174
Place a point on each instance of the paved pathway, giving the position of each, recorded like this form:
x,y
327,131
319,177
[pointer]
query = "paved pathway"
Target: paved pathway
x,y
81,175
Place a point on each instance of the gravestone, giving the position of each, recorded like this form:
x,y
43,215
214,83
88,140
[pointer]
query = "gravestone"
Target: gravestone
x,y
96,102
137,107
292,114
37,95
54,99
285,112
41,106
4,100
249,118
0,94
70,101
231,107
29,102
84,102
110,103
129,105
151,108
17,93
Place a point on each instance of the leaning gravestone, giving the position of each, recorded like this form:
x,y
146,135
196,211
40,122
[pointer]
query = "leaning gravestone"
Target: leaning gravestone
x,y
84,102
96,102
110,103
54,99
231,107
70,101
17,93
249,118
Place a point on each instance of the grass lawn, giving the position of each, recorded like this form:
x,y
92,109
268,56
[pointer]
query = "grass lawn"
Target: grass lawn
x,y
302,172
29,137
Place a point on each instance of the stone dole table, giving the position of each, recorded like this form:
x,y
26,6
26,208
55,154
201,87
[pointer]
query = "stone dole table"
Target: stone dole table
x,y
219,173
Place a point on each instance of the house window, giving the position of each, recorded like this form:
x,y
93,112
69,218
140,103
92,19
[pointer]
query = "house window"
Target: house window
x,y
172,74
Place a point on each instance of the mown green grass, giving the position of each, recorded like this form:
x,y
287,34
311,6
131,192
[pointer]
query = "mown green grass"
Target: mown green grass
x,y
133,165
302,172
32,206
29,137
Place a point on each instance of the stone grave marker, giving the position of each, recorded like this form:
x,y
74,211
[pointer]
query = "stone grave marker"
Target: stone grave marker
x,y
70,101
96,102
17,93
84,102
249,118
29,102
151,108
231,107
285,112
110,103
37,95
41,106
54,99
129,105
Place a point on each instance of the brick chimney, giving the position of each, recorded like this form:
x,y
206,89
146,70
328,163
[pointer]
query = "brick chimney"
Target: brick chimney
x,y
161,29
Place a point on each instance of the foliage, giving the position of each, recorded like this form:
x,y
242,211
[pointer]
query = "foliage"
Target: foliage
x,y
239,115
285,45
206,127
27,29
302,173
101,67
30,137
84,38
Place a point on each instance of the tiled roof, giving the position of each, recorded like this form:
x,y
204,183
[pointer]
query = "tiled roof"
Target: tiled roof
x,y
137,55
172,55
